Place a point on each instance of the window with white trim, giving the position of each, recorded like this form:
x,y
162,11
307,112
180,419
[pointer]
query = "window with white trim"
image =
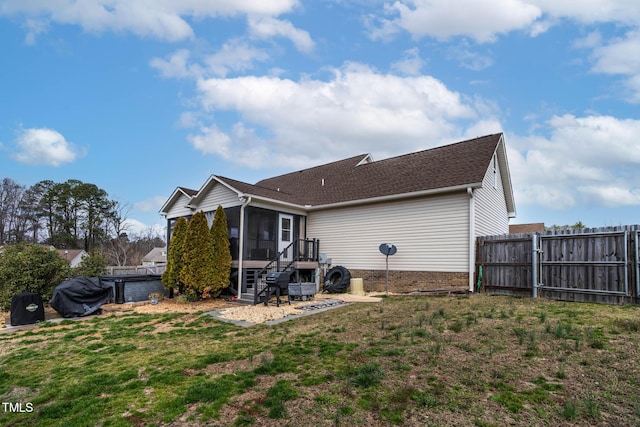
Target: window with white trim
x,y
495,172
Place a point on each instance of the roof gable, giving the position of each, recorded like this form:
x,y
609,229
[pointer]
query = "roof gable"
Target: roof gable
x,y
175,196
156,255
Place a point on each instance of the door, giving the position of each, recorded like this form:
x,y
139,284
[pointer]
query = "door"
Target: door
x,y
285,235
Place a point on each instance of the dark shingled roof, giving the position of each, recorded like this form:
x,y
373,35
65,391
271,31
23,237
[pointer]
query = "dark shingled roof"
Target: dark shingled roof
x,y
188,191
454,165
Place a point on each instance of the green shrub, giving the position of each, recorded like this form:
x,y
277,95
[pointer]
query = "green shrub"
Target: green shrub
x,y
197,271
171,276
30,268
221,252
91,266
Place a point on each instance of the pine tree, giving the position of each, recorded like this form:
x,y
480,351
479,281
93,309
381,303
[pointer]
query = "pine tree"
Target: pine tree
x,y
171,276
221,252
197,272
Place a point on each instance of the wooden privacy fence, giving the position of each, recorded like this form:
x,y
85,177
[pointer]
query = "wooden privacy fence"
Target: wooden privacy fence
x,y
589,265
135,269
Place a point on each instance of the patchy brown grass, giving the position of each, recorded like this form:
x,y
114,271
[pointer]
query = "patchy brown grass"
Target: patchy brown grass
x,y
444,361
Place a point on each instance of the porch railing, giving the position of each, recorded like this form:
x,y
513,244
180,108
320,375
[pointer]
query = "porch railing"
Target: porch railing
x,y
298,250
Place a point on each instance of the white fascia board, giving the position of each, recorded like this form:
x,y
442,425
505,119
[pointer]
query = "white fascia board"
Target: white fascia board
x,y
276,203
507,185
165,208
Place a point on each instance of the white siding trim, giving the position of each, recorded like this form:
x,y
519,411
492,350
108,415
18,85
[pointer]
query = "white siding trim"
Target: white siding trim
x,y
491,216
472,236
431,233
180,207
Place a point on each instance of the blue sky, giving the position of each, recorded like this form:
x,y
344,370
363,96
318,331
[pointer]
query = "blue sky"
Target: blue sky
x,y
141,96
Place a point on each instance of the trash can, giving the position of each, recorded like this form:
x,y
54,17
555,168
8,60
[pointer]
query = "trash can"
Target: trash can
x,y
26,309
119,284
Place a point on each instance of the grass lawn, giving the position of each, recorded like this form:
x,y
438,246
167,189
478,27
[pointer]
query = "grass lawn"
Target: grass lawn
x,y
443,361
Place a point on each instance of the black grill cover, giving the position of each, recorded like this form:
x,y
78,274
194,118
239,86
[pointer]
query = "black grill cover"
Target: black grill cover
x,y
81,296
278,278
26,309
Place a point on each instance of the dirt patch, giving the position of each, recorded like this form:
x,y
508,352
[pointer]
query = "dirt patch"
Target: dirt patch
x,y
228,310
172,306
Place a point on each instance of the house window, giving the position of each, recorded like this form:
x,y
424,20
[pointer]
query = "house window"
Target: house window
x,y
495,172
286,229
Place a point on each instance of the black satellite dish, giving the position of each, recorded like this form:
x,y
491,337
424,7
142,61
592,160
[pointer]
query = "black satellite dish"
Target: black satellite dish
x,y
387,249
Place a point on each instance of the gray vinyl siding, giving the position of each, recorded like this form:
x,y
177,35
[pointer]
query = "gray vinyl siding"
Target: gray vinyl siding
x,y
179,208
491,217
218,195
431,233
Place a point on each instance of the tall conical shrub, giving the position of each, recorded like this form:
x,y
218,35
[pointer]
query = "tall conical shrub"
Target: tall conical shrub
x,y
171,276
221,252
197,271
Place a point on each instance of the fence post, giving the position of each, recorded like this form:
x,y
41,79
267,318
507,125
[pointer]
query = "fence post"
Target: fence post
x,y
534,262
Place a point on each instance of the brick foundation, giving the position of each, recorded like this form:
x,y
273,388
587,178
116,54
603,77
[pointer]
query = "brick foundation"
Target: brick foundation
x,y
413,281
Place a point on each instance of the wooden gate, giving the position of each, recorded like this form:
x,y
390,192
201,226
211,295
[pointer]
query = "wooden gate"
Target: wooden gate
x,y
597,265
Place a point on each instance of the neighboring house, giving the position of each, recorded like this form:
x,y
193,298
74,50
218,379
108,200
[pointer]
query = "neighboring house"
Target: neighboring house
x,y
155,257
537,227
73,256
430,204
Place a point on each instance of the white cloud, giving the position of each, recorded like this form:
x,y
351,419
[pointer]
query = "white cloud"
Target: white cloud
x,y
620,56
189,119
589,160
411,64
485,20
211,141
482,21
136,228
590,41
592,11
468,59
176,65
42,146
633,86
310,121
162,19
612,196
152,204
266,27
34,27
241,146
234,56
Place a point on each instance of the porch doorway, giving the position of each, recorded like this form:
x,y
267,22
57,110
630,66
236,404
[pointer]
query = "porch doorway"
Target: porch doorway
x,y
285,235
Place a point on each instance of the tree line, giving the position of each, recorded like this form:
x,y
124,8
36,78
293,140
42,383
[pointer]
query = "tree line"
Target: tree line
x,y
70,215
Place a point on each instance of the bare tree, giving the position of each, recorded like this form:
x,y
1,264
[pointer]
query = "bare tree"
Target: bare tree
x,y
117,249
10,196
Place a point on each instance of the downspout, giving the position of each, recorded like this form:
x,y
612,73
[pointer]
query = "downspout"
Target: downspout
x,y
472,238
247,200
